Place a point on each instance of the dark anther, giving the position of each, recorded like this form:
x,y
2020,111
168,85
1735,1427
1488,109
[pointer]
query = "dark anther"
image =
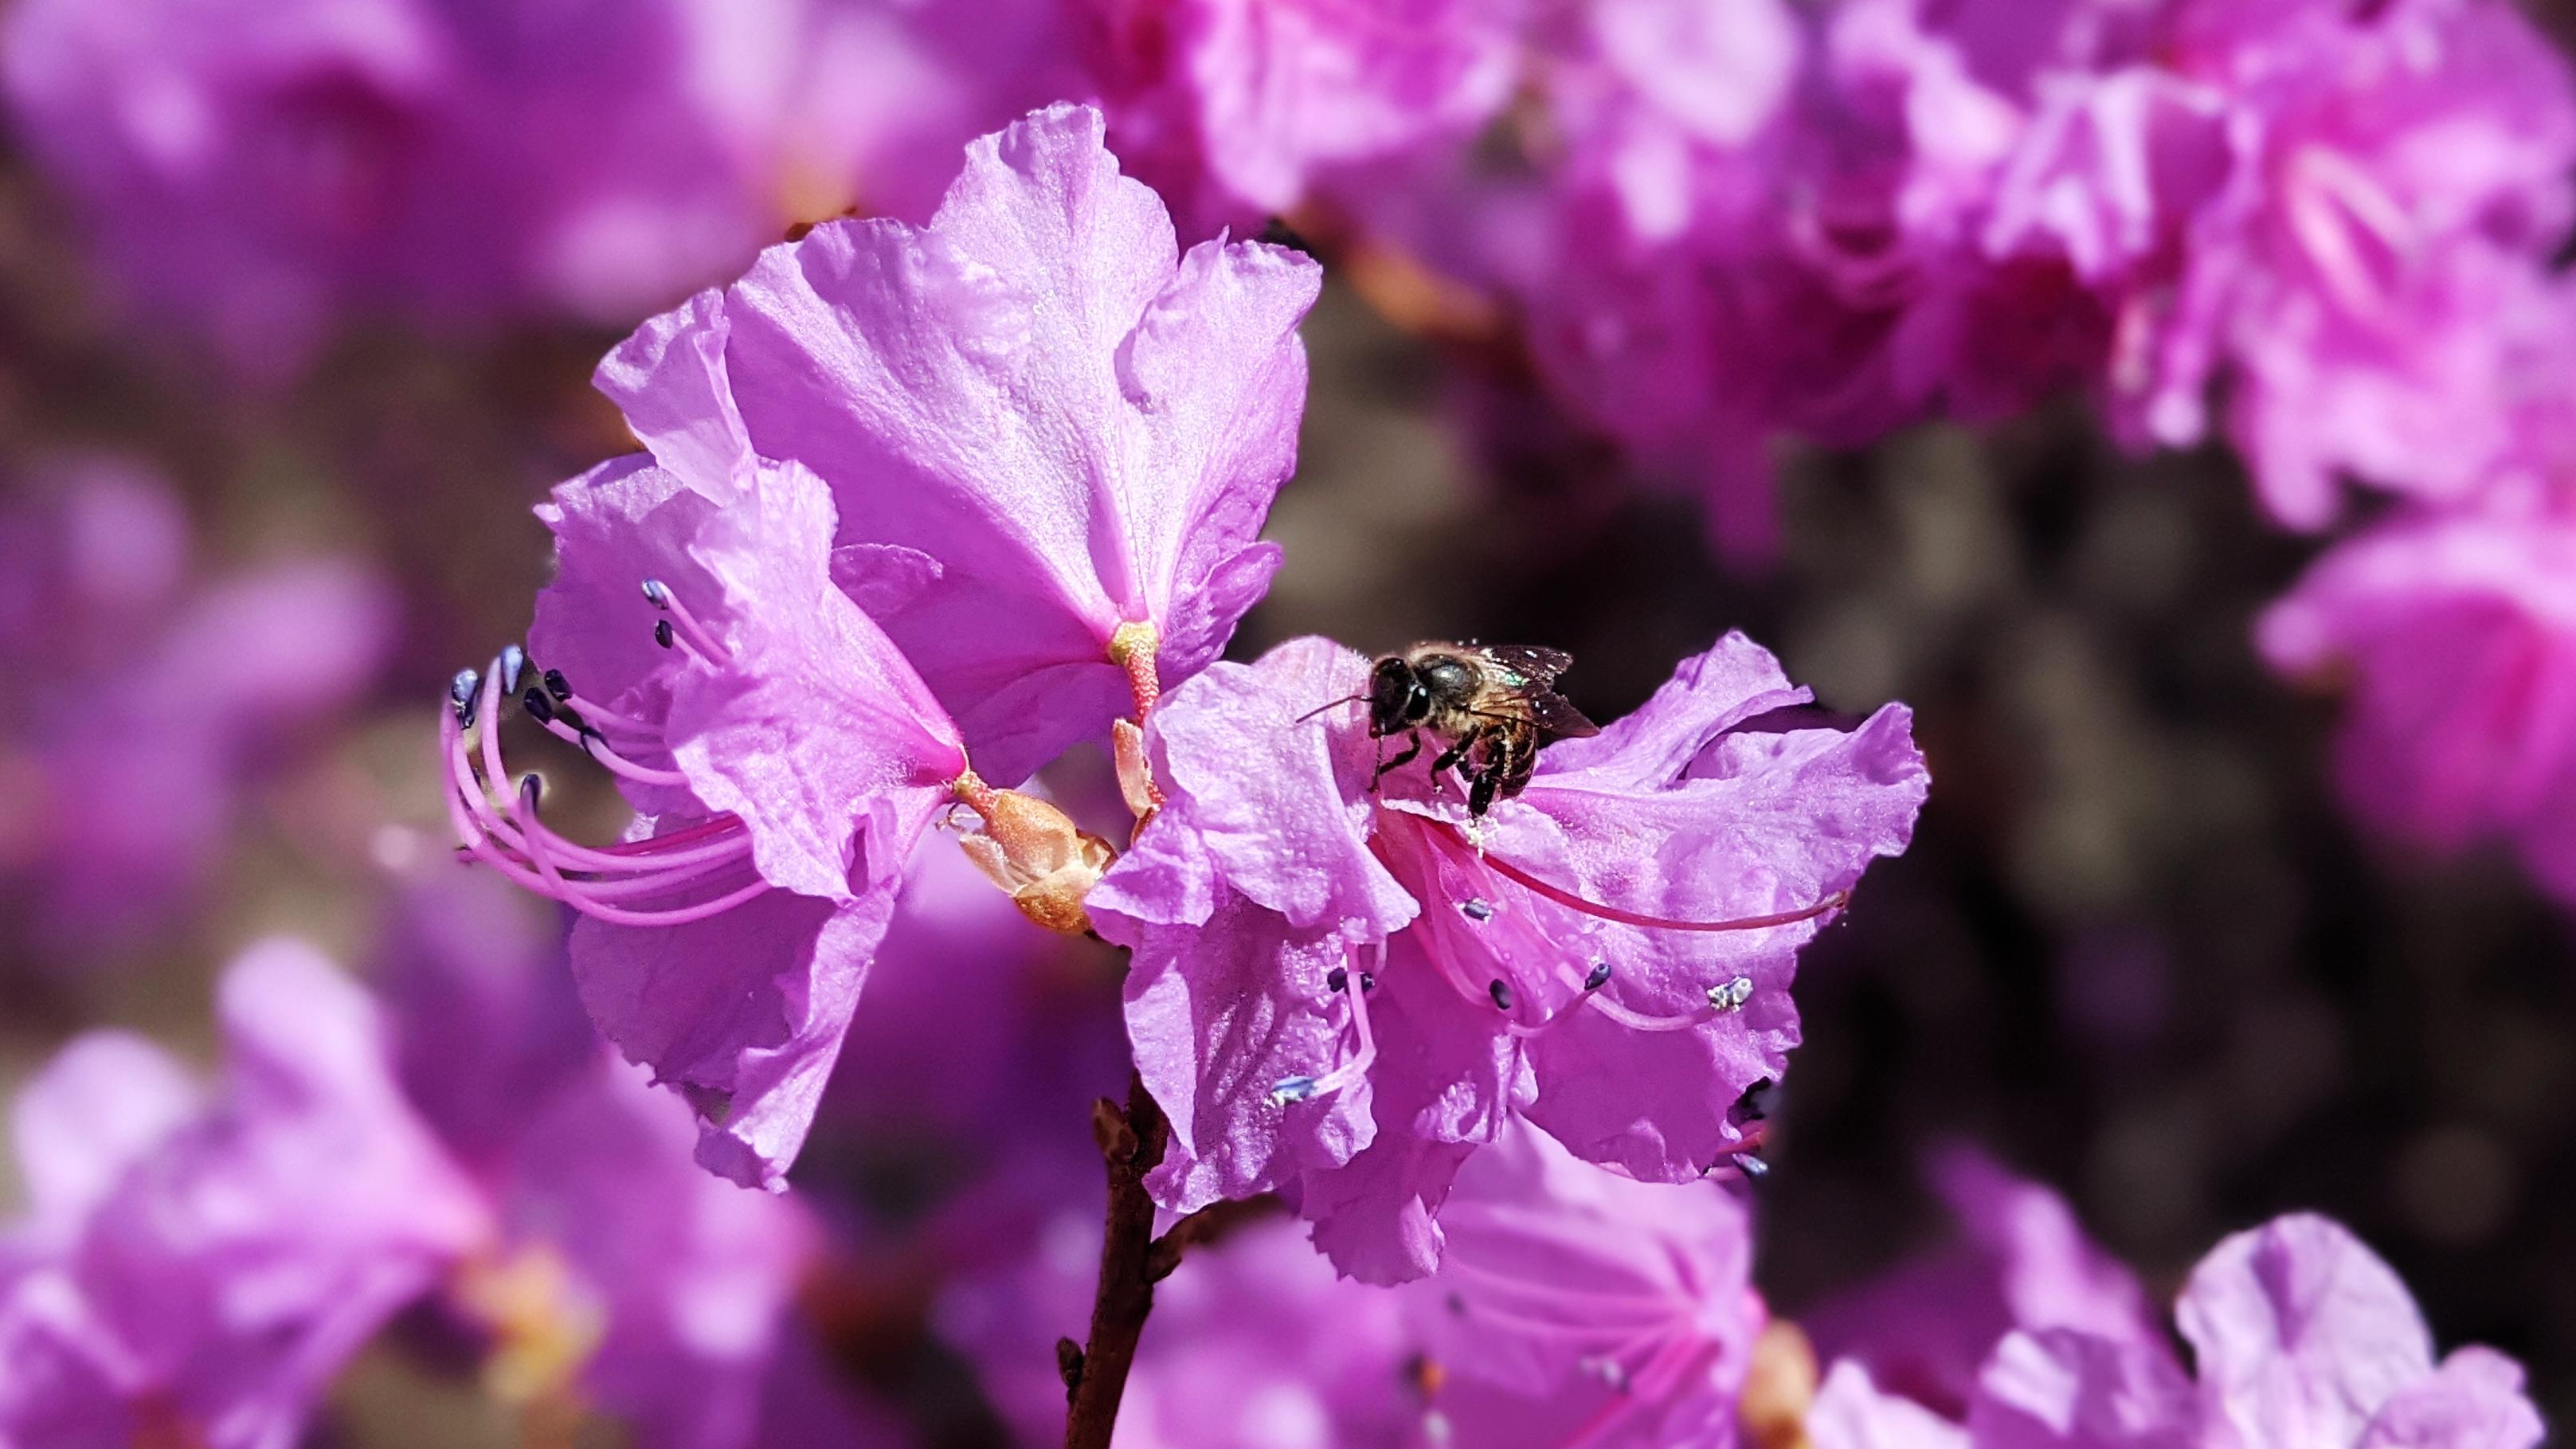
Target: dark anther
x,y
557,685
1755,1104
657,593
1501,992
514,662
539,708
662,632
1476,910
461,692
1752,1166
531,789
1599,978
1337,979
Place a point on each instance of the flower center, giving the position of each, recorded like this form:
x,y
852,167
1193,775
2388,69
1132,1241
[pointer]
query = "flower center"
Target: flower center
x,y
544,1324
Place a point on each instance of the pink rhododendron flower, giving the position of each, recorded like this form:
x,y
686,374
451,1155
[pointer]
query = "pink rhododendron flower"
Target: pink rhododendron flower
x,y
1233,109
1852,1412
151,701
2299,1335
2022,1261
614,1271
785,757
2457,631
197,1267
1337,994
2397,175
1580,1309
886,93
1051,435
1050,507
1958,209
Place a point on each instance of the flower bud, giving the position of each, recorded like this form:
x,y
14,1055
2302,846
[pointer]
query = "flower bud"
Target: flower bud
x,y
1034,851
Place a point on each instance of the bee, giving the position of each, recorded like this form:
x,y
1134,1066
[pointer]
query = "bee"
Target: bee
x,y
1490,705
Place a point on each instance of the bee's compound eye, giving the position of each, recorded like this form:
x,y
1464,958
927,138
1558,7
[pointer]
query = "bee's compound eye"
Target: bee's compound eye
x,y
1390,694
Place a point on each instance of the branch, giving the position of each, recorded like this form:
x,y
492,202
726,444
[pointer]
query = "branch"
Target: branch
x,y
1132,1143
1209,1224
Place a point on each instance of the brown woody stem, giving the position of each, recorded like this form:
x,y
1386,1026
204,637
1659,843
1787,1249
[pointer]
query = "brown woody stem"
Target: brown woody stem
x,y
1209,1224
1132,1143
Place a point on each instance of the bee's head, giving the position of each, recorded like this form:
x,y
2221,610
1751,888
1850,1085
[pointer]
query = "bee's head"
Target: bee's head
x,y
1397,698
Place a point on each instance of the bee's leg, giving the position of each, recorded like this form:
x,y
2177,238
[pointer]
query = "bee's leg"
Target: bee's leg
x,y
1450,758
1412,747
1515,759
1480,793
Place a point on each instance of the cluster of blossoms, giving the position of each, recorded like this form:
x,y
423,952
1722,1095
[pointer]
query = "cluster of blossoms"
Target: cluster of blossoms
x,y
149,698
446,161
200,1261
2325,230
984,489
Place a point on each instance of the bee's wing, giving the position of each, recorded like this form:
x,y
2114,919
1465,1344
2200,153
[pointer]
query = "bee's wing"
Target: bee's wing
x,y
1537,664
1557,715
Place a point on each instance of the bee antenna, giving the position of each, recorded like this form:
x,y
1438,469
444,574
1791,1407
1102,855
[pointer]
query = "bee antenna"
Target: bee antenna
x,y
1329,704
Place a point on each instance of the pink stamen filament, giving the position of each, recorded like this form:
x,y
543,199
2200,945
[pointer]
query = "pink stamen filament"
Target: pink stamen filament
x,y
523,810
1350,1073
602,715
661,853
1638,1021
529,854
1834,900
697,635
596,747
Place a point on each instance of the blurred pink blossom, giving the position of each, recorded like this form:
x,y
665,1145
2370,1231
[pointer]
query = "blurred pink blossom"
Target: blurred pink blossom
x,y
1581,1309
198,1265
151,700
2457,633
2299,1335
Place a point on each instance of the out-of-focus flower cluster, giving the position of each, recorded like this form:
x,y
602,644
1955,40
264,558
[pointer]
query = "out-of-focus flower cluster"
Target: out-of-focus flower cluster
x,y
2030,1336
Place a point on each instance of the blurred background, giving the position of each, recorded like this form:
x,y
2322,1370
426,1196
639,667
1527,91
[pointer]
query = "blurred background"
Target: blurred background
x,y
2137,949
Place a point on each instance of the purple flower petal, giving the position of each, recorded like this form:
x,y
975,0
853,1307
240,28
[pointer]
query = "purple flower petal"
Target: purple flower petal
x,y
2301,1333
1082,427
2064,1389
